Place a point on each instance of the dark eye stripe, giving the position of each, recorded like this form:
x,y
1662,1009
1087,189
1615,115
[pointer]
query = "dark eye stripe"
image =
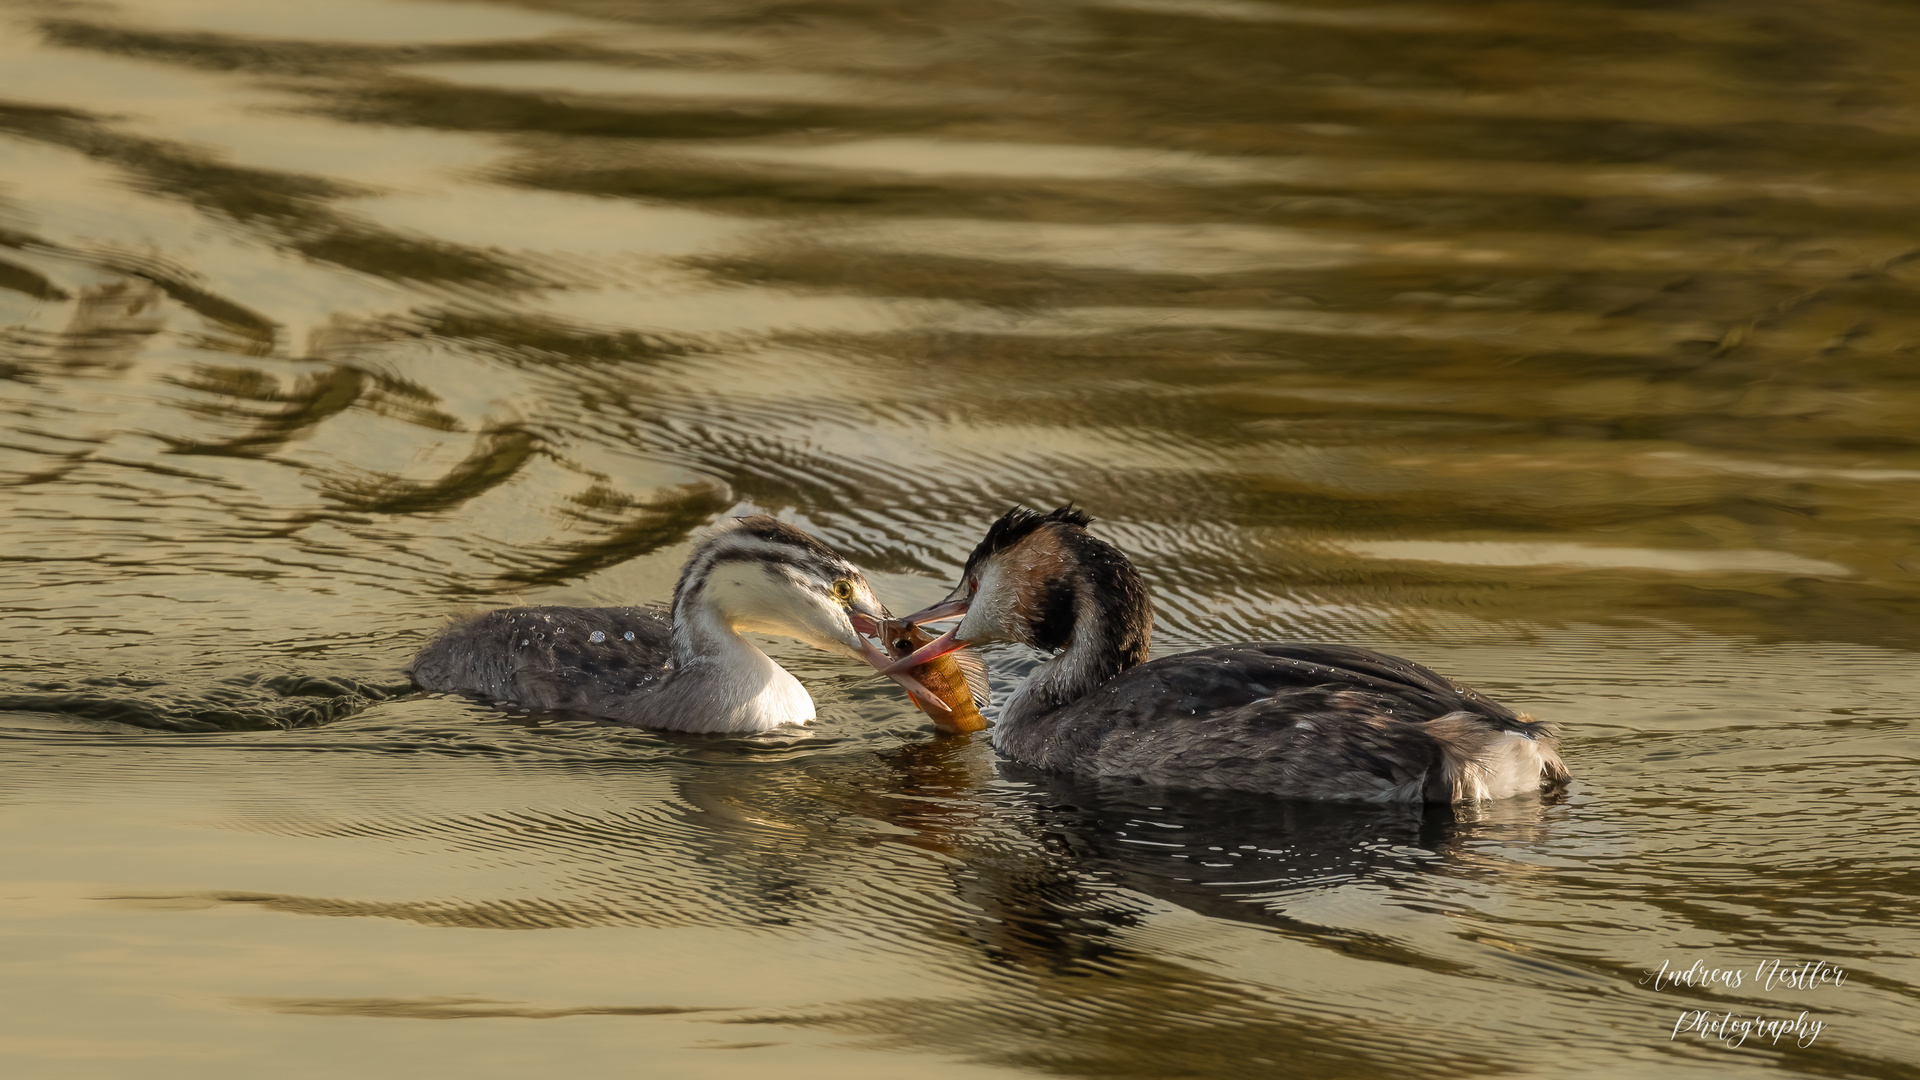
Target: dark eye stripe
x,y
805,562
808,564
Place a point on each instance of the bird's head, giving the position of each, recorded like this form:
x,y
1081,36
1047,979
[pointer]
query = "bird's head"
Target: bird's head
x,y
1032,579
762,575
759,574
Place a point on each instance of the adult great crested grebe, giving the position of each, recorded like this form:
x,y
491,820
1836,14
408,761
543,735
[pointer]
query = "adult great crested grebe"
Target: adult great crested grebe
x,y
690,671
1300,721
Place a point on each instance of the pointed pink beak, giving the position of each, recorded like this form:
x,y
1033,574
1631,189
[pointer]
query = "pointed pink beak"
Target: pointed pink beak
x,y
939,612
932,650
938,647
866,626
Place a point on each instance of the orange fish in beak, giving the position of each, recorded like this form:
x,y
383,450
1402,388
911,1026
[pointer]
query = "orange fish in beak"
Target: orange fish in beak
x,y
958,678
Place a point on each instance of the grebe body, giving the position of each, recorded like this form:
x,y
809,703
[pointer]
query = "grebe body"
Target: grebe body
x,y
688,669
1293,720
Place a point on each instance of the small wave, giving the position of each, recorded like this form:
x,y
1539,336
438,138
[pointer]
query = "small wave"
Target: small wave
x,y
243,703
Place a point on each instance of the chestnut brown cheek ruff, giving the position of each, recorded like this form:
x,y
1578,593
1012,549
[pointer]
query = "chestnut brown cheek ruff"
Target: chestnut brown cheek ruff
x,y
1048,593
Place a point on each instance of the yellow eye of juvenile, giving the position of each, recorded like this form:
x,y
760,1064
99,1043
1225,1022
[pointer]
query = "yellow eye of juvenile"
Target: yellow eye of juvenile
x,y
842,589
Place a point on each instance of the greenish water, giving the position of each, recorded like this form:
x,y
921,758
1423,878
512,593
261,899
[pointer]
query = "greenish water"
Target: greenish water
x,y
1572,349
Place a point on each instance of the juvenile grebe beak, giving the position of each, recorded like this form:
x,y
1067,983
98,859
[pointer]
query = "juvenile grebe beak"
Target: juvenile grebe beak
x,y
867,625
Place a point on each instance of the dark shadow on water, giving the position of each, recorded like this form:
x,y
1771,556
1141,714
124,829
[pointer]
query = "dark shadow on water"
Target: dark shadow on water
x,y
238,703
535,341
497,456
287,210
225,52
626,527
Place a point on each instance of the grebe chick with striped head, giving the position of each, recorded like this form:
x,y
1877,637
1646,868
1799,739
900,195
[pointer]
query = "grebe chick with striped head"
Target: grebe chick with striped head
x,y
690,670
1295,720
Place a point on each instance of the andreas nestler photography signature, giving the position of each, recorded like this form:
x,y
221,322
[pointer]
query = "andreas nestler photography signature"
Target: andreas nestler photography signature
x,y
1735,1028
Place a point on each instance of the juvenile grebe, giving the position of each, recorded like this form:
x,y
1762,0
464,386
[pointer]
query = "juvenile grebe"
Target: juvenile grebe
x,y
692,671
1300,721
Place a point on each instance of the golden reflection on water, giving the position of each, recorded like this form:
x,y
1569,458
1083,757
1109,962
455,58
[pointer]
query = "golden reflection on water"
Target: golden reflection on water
x,y
1566,348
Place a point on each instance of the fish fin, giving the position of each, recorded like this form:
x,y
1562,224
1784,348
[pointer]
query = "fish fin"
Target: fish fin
x,y
975,670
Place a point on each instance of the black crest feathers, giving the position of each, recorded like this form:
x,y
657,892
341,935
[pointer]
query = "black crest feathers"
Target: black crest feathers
x,y
1019,523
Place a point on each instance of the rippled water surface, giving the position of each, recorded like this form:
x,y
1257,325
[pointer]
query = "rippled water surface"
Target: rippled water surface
x,y
1571,348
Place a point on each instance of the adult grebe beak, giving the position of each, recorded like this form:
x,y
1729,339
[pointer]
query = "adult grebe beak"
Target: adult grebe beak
x,y
867,625
950,608
932,650
953,607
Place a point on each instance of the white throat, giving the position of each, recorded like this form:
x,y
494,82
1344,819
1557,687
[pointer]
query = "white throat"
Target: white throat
x,y
723,683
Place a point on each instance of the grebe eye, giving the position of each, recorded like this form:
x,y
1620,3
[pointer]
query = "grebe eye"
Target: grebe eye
x,y
973,584
841,589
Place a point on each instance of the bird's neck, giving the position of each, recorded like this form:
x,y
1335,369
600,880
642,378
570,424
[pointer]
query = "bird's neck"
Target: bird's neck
x,y
1112,624
722,682
1066,678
